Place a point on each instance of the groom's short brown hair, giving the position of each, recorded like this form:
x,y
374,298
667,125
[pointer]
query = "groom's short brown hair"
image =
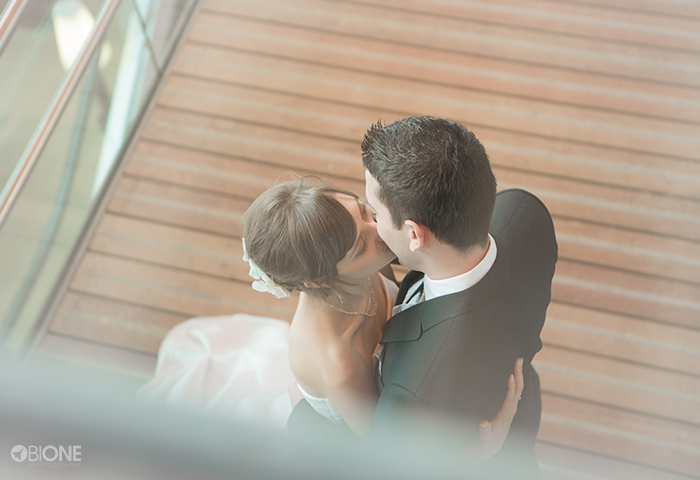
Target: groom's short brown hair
x,y
436,173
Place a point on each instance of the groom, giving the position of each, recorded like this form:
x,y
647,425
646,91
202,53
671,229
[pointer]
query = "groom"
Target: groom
x,y
476,298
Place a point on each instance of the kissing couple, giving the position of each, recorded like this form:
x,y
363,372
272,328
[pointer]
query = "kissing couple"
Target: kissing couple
x,y
439,353
452,346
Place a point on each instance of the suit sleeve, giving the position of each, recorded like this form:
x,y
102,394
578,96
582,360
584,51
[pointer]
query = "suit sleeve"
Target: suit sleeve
x,y
410,425
401,415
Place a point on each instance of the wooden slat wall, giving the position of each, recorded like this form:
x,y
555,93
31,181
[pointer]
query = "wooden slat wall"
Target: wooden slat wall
x,y
593,105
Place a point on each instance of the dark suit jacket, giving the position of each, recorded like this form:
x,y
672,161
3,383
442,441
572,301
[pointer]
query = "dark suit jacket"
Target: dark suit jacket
x,y
447,360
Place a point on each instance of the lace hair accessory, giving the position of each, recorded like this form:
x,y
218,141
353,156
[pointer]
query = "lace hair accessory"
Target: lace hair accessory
x,y
264,283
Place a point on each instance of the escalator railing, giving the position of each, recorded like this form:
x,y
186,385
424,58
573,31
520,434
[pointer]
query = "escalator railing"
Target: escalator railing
x,y
8,20
75,79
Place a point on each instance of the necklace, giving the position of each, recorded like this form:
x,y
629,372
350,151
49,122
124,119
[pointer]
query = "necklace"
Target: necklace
x,y
366,313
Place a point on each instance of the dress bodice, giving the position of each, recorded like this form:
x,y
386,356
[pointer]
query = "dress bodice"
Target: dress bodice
x,y
323,406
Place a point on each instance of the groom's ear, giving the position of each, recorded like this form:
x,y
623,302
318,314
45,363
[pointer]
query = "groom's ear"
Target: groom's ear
x,y
417,235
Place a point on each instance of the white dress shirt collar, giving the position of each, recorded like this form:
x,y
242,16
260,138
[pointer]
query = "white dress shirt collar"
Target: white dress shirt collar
x,y
438,288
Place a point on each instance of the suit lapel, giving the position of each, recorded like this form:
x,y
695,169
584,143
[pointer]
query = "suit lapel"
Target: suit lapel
x,y
409,324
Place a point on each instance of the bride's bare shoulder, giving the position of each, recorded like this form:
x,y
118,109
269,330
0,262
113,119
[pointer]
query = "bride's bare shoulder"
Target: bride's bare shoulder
x,y
317,352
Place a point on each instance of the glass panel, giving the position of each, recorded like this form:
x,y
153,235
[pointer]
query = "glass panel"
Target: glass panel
x,y
3,4
165,23
144,9
126,67
54,206
32,67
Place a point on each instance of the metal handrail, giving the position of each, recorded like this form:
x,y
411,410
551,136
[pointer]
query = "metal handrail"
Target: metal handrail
x,y
33,151
9,21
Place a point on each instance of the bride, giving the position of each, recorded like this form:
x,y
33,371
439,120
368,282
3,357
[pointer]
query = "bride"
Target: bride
x,y
322,242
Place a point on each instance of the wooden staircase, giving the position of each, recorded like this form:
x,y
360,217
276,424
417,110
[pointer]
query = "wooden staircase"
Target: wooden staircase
x,y
592,105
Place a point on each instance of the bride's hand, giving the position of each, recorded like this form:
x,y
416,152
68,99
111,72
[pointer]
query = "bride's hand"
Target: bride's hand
x,y
493,434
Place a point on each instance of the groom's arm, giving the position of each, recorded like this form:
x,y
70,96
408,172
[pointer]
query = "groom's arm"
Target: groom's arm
x,y
400,414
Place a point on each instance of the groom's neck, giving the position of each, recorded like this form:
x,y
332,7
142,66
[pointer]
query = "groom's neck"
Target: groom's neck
x,y
442,261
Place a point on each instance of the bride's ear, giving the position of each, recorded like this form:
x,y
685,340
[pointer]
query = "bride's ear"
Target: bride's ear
x,y
322,284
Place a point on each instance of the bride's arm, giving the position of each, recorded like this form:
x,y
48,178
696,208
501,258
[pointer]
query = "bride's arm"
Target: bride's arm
x,y
353,393
350,387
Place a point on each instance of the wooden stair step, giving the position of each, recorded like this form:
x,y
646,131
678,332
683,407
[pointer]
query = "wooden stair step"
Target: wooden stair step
x,y
682,220
674,8
641,389
597,203
626,293
564,335
587,316
255,142
190,293
249,103
113,322
562,463
646,284
567,122
444,67
566,18
600,333
633,251
623,373
669,432
597,429
343,86
172,246
216,172
176,205
645,211
123,371
563,51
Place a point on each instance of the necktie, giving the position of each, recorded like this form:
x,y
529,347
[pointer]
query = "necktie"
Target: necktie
x,y
414,296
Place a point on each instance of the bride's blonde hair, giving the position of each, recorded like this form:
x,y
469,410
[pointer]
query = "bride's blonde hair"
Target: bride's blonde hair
x,y
297,232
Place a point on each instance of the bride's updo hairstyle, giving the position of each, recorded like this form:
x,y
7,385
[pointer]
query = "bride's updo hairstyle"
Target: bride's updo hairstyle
x,y
297,232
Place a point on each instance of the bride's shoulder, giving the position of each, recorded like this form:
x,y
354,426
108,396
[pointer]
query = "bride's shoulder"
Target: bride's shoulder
x,y
317,355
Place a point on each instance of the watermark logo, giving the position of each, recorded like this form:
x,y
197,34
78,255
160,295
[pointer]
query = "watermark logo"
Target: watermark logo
x,y
19,453
48,456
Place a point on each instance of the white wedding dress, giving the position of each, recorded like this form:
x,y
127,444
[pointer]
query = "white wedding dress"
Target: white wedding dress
x,y
233,365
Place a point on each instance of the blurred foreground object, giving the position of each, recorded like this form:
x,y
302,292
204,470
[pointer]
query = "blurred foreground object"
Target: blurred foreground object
x,y
119,438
